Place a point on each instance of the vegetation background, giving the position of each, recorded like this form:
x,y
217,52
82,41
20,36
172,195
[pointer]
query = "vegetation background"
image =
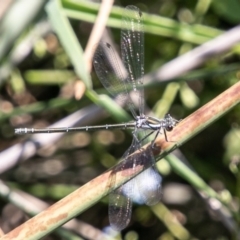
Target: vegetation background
x,y
44,80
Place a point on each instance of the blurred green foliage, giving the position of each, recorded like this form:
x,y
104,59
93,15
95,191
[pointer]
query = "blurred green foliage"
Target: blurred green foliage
x,y
38,78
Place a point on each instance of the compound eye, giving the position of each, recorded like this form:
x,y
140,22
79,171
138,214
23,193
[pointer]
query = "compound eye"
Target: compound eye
x,y
169,128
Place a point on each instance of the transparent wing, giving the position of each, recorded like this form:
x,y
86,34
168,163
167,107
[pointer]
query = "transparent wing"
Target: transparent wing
x,y
132,48
120,209
120,204
147,185
112,75
145,188
115,79
120,83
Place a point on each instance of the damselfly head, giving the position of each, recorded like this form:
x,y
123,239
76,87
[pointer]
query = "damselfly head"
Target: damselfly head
x,y
170,122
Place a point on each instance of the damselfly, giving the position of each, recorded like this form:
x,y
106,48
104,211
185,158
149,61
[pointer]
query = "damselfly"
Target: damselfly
x,y
126,86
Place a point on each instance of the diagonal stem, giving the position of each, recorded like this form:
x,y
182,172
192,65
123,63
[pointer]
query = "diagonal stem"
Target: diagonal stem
x,y
93,191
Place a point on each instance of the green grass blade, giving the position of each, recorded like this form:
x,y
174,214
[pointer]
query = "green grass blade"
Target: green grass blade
x,y
196,34
69,40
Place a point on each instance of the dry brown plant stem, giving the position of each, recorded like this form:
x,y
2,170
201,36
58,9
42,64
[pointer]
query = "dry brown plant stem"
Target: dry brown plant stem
x,y
93,191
